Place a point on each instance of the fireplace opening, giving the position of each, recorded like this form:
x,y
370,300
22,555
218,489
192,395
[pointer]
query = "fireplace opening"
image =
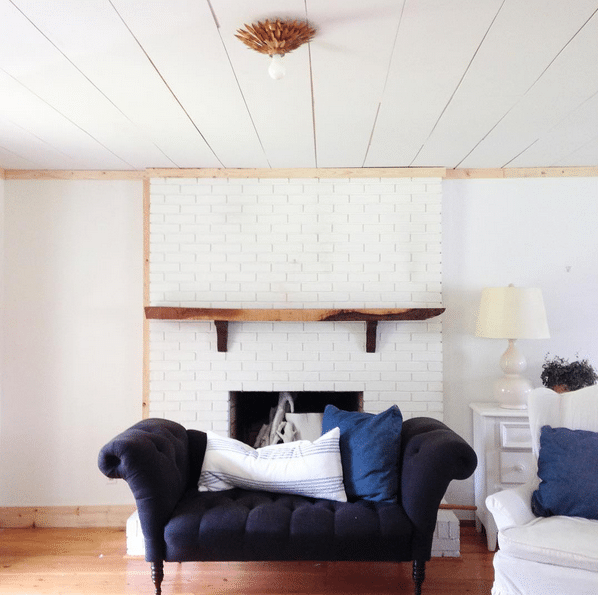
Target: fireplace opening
x,y
249,412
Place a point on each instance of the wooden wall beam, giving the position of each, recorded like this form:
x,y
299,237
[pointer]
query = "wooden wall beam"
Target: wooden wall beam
x,y
146,299
368,172
63,174
521,172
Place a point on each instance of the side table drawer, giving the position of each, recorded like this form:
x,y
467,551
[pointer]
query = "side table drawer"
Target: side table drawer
x,y
515,434
516,467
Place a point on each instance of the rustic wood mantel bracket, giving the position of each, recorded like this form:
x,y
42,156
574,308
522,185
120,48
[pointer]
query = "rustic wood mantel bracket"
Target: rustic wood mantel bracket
x,y
222,316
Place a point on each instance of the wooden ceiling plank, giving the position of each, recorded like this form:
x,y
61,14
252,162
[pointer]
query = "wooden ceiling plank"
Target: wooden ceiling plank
x,y
23,142
281,110
565,87
115,92
432,52
522,42
37,117
571,134
195,64
350,59
587,153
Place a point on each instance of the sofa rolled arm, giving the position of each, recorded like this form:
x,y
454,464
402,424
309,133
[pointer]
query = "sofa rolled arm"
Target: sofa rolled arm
x,y
512,507
152,457
432,456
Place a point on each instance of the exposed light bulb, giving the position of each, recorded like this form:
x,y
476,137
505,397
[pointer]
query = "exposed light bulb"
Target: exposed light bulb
x,y
276,69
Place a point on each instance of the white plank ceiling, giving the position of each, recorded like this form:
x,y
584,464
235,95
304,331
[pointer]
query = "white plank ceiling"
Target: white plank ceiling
x,y
135,84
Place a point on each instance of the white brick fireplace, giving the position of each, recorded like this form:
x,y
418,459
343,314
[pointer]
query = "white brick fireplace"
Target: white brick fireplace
x,y
294,243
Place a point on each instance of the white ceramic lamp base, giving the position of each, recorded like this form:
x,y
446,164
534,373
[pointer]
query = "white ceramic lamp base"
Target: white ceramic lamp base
x,y
511,391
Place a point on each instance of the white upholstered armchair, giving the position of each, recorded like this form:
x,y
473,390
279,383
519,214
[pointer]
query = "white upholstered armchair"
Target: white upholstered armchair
x,y
556,554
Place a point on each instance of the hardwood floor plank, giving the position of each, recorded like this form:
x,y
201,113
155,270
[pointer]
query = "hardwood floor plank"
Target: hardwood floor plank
x,y
94,562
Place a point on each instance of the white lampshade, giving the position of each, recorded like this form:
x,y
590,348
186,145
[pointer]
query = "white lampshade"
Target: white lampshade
x,y
512,313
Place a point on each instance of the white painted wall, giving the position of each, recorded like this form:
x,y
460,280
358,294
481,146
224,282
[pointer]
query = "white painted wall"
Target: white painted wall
x,y
529,232
72,328
73,264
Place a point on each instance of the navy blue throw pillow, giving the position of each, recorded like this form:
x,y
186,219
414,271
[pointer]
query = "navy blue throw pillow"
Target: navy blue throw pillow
x,y
568,468
369,446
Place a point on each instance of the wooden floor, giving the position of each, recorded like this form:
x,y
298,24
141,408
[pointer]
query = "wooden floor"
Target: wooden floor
x,y
93,561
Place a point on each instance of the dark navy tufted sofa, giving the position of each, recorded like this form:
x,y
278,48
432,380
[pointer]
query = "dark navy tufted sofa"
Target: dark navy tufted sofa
x,y
161,462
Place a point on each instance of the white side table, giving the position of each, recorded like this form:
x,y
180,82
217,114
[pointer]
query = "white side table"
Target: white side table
x,y
502,442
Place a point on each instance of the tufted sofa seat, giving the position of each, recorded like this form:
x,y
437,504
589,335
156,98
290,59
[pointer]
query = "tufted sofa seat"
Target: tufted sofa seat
x,y
161,461
243,525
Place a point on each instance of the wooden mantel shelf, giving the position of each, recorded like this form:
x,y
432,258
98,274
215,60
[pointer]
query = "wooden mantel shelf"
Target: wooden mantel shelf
x,y
222,316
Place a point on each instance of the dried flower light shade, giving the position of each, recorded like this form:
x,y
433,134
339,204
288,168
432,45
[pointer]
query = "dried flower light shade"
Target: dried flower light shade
x,y
276,38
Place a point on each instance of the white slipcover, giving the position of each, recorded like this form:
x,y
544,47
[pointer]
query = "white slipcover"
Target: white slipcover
x,y
555,555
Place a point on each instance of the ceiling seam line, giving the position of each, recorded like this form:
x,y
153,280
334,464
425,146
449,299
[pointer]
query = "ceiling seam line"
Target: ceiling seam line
x,y
178,101
371,134
525,93
518,154
589,142
3,148
213,14
392,51
313,106
86,78
68,119
39,138
560,52
460,82
311,89
257,134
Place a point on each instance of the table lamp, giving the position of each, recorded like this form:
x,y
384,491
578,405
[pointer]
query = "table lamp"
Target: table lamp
x,y
512,313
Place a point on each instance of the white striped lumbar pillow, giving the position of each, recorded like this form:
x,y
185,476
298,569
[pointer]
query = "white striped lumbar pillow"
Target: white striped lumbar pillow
x,y
312,469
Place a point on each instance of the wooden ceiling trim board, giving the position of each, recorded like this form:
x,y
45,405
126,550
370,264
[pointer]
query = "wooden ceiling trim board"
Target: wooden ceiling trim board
x,y
524,39
569,82
424,75
384,172
551,172
55,174
521,172
306,173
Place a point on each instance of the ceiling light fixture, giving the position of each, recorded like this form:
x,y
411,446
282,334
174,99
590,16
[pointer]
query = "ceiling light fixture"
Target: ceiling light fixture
x,y
276,38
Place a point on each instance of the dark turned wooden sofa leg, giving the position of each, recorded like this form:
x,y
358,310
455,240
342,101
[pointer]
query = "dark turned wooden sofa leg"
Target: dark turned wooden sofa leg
x,y
158,575
419,574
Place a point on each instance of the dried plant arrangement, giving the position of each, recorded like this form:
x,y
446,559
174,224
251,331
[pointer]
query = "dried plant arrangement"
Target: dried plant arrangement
x,y
276,37
562,376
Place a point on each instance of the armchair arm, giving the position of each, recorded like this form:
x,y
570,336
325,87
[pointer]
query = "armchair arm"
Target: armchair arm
x,y
432,456
152,457
512,507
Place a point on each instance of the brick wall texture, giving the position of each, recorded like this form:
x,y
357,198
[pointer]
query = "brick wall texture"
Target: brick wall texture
x,y
294,243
